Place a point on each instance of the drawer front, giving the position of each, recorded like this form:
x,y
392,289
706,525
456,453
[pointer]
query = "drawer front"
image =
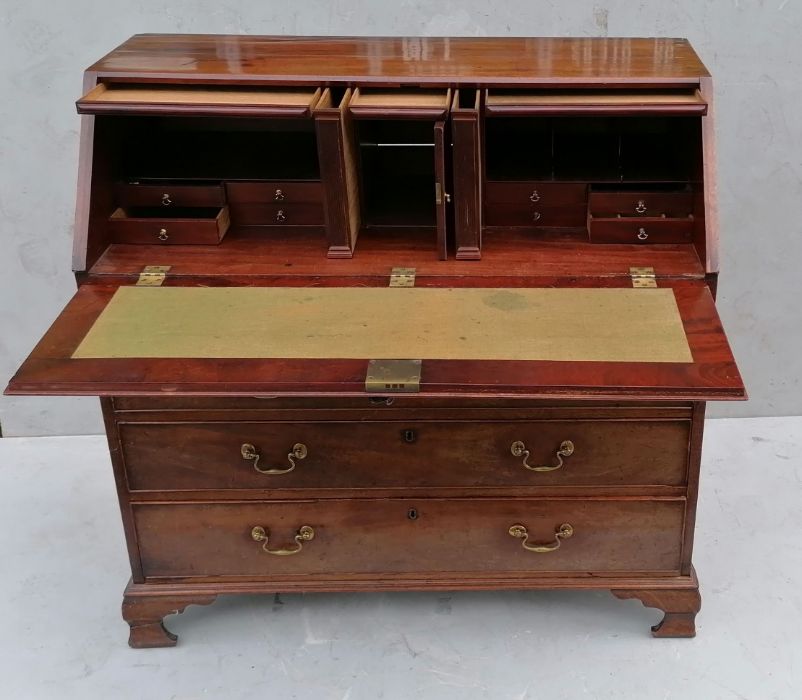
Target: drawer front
x,y
169,195
275,191
166,230
543,194
277,214
670,204
641,230
188,456
398,536
526,214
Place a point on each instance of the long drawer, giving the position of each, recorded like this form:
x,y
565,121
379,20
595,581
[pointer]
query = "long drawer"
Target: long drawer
x,y
387,454
526,214
544,194
397,536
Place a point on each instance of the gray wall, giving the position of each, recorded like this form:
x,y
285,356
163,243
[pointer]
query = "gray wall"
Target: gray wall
x,y
752,49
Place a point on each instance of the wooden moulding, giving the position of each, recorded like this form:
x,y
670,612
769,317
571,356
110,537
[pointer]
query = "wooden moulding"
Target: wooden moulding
x,y
555,103
338,170
467,176
199,100
368,103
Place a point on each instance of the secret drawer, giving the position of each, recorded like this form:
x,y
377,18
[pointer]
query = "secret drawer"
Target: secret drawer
x,y
167,194
277,214
374,455
670,204
398,536
173,226
526,214
278,192
546,194
641,230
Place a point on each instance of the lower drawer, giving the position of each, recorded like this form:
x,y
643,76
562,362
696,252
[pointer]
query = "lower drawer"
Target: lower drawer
x,y
176,226
526,214
277,214
377,454
641,230
398,536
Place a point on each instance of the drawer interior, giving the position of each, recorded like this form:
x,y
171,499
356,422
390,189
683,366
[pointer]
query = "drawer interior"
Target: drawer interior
x,y
400,103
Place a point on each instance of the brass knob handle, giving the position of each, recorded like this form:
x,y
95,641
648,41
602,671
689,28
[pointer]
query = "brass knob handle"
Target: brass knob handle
x,y
535,216
448,198
563,532
304,534
535,196
642,235
166,201
250,453
566,449
640,207
280,216
162,235
279,196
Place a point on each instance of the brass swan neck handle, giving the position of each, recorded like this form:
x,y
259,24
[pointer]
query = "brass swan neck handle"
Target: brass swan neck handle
x,y
563,532
305,534
566,449
250,453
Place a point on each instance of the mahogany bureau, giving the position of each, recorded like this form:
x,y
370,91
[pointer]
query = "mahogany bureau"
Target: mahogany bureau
x,y
397,314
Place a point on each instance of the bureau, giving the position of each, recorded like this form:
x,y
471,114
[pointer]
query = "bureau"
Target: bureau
x,y
397,314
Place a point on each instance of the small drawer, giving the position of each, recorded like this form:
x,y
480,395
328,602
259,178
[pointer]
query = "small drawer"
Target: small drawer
x,y
274,191
277,214
641,230
170,195
380,455
400,536
631,204
527,214
542,194
176,226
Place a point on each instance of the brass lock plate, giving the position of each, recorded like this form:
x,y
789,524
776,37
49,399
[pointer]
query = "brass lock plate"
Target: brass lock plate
x,y
393,376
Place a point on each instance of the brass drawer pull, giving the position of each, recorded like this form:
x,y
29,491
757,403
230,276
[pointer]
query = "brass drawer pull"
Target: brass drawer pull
x,y
640,207
162,235
279,196
249,452
304,534
535,196
536,216
281,216
565,531
518,449
166,201
642,235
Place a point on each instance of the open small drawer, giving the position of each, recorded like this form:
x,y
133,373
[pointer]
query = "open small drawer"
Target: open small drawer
x,y
199,100
599,102
178,226
385,103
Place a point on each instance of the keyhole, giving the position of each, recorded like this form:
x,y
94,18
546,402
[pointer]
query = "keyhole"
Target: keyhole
x,y
410,436
412,513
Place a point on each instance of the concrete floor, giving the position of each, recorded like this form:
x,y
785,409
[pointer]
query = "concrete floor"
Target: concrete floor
x,y
63,568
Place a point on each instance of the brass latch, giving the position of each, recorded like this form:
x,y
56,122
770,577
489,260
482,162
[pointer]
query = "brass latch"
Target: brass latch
x,y
393,376
152,275
439,195
643,277
402,277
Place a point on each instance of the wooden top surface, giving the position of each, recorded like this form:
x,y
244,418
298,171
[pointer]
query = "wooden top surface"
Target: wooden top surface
x,y
418,60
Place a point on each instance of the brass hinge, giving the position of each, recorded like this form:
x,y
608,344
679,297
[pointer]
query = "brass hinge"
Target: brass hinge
x,y
152,275
402,277
393,376
643,277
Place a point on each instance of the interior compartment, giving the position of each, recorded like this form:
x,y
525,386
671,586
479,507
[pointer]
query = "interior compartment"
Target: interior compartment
x,y
211,148
593,149
397,169
158,225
